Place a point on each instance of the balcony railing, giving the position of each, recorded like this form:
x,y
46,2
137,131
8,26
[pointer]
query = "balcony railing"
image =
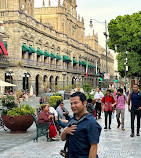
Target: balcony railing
x,y
38,64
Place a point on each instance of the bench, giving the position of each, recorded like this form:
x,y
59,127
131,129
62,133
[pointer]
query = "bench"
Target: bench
x,y
42,129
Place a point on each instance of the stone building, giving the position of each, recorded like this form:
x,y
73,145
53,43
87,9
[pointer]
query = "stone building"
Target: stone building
x,y
47,45
110,63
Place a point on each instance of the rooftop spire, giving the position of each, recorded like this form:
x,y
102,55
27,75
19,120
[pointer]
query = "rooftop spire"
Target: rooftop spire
x,y
59,3
43,3
49,3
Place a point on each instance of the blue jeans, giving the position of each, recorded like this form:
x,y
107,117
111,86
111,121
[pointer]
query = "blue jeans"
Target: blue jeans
x,y
62,124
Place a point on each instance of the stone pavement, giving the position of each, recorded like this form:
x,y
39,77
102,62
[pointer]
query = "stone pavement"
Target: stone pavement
x,y
114,143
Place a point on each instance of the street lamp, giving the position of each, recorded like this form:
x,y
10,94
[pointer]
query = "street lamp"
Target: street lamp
x,y
106,36
26,75
10,73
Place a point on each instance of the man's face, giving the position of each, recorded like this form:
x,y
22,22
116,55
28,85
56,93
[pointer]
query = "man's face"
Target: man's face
x,y
76,105
62,105
98,89
108,93
135,88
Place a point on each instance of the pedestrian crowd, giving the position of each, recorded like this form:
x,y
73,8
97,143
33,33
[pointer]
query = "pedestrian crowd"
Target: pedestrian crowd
x,y
81,131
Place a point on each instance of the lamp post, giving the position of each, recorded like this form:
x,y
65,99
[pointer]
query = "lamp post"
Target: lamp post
x,y
10,73
106,37
26,75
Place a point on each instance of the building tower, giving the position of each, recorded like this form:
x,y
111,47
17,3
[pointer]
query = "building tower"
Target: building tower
x,y
26,6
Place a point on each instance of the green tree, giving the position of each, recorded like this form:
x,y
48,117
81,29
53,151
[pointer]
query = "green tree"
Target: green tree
x,y
87,87
125,33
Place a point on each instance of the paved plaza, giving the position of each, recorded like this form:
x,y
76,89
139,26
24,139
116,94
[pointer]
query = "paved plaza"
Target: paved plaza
x,y
114,143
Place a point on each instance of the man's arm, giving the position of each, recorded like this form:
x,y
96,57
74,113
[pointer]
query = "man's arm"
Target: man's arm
x,y
129,98
93,151
102,106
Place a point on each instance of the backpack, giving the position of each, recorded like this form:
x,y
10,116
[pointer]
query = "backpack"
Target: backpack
x,y
90,108
118,97
105,97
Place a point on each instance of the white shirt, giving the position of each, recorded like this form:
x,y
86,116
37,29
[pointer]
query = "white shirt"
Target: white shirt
x,y
99,95
53,111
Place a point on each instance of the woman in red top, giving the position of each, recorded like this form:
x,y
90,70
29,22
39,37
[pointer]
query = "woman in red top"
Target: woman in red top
x,y
108,101
45,116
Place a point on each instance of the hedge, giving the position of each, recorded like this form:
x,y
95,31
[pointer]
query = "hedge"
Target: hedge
x,y
53,100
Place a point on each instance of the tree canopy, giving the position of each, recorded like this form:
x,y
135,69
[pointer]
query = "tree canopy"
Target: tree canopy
x,y
125,34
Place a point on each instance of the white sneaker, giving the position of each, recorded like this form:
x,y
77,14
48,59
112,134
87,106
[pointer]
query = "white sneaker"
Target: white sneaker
x,y
56,138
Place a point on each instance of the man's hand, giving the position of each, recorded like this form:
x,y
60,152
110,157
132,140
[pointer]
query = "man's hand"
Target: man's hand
x,y
102,110
65,113
139,108
70,130
129,108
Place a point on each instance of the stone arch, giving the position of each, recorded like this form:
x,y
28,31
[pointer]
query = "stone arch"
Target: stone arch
x,y
53,47
51,83
56,80
58,49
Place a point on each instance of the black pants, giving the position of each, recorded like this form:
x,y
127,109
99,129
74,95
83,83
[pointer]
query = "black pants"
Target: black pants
x,y
106,117
98,109
133,114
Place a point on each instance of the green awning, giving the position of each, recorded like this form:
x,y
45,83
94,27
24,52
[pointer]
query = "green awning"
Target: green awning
x,y
58,57
39,52
53,55
46,54
75,61
25,48
84,63
66,59
80,62
5,44
32,50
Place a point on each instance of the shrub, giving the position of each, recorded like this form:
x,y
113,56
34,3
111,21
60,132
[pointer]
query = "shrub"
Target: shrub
x,y
8,102
22,110
87,87
57,94
53,100
112,91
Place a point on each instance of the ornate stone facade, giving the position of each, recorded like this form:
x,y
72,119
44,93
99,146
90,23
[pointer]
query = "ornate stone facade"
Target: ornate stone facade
x,y
54,29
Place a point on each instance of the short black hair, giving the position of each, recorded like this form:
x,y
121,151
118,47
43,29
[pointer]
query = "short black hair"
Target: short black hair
x,y
57,104
108,90
99,87
82,96
89,100
120,90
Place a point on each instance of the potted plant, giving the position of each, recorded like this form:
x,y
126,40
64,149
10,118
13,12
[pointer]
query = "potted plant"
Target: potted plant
x,y
17,119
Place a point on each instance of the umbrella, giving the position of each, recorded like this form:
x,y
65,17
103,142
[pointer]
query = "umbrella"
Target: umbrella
x,y
6,84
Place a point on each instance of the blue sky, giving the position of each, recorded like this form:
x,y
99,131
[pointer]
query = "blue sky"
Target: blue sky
x,y
100,10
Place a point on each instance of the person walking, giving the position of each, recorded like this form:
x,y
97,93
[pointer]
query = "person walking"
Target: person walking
x,y
108,101
120,107
98,96
135,108
83,131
